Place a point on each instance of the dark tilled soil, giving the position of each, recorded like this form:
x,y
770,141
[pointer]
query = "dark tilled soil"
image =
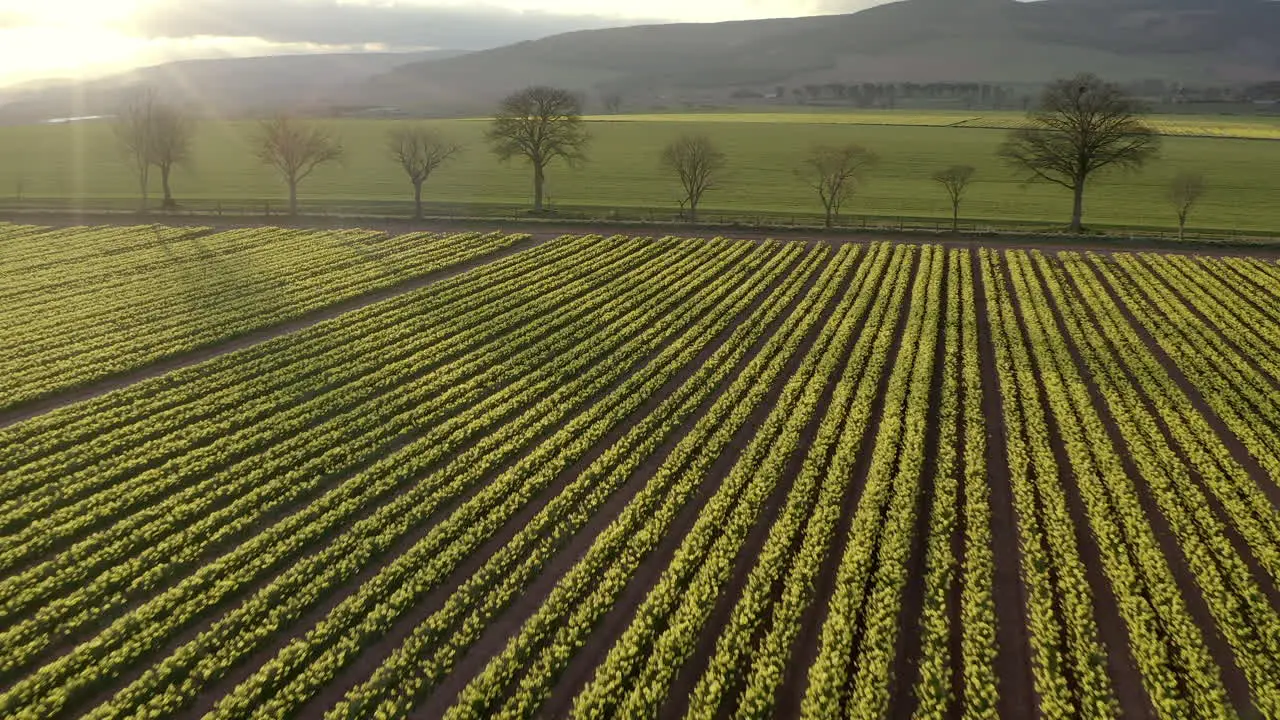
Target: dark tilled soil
x,y
687,679
805,648
614,623
25,411
1125,678
1013,658
1237,685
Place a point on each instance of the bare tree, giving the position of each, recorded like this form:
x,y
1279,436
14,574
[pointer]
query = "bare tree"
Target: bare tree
x,y
420,151
1081,126
835,172
1185,190
612,103
697,162
539,124
133,129
172,133
295,148
955,180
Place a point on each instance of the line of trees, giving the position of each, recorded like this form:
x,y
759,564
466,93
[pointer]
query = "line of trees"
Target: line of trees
x,y
1081,127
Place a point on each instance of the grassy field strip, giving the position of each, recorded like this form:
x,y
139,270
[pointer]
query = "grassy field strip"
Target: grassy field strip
x,y
623,177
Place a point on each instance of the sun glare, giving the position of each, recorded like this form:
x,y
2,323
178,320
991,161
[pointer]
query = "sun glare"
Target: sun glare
x,y
74,13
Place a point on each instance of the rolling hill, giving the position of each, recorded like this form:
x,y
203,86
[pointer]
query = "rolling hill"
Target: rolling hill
x,y
1004,41
1196,42
216,87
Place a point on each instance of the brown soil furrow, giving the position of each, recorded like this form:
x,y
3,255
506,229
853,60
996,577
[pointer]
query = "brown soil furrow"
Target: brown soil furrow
x,y
581,668
682,688
25,411
510,620
1239,452
1013,658
1236,683
1125,678
902,682
805,648
214,613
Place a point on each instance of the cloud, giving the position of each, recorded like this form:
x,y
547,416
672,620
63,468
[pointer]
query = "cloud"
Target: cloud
x,y
332,22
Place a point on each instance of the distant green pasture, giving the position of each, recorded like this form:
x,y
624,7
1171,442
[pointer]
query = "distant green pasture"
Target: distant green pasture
x,y
79,162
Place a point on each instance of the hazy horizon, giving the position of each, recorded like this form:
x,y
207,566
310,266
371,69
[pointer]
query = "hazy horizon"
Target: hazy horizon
x,y
69,39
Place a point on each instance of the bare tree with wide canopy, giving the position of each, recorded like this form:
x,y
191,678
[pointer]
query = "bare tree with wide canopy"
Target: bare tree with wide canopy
x,y
697,162
1081,126
420,151
296,148
539,124
835,172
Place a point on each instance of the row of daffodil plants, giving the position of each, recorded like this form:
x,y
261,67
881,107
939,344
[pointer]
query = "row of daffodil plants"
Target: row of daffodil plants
x,y
961,499
306,664
449,631
71,329
400,492
343,451
518,680
222,501
753,650
838,683
1240,608
1069,662
101,429
635,678
1250,332
1234,390
1167,647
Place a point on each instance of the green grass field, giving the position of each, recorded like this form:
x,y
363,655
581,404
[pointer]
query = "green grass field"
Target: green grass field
x,y
79,162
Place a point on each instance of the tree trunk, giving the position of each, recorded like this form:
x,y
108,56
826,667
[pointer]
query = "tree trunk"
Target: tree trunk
x,y
828,216
144,176
417,201
1077,210
293,197
1182,229
955,218
693,212
168,194
539,179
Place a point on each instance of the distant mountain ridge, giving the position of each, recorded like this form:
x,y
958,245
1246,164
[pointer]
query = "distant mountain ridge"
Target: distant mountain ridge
x,y
216,87
1196,42
1190,41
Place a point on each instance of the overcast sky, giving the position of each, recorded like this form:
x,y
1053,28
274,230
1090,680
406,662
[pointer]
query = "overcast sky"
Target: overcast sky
x,y
69,38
